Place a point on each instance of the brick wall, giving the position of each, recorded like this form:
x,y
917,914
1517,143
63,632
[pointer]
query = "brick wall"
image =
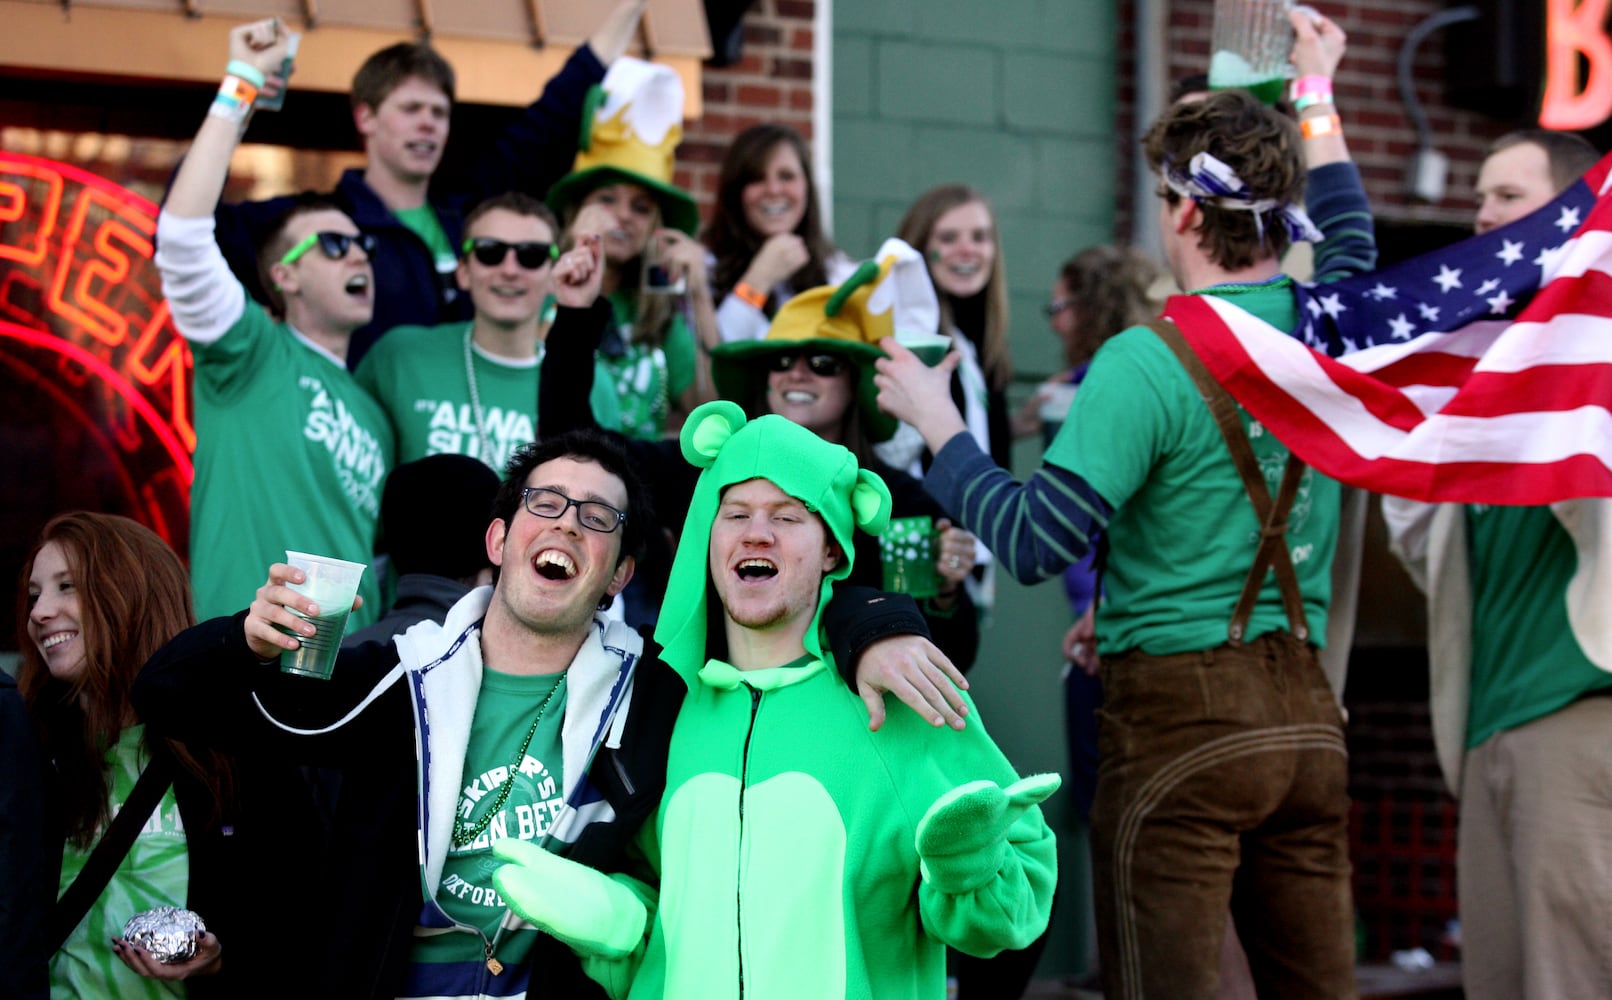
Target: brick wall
x,y
1378,129
772,82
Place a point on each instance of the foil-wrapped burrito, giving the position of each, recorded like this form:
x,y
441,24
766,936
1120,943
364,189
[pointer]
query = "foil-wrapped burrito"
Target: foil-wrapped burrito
x,y
167,933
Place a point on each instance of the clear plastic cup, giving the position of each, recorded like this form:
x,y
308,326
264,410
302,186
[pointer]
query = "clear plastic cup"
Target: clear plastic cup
x,y
1251,41
1056,398
907,550
332,584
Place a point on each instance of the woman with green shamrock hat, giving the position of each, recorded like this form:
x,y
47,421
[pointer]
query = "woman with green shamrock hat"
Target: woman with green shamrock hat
x,y
621,191
815,367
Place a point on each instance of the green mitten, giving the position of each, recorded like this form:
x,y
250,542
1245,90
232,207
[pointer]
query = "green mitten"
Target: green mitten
x,y
963,835
586,909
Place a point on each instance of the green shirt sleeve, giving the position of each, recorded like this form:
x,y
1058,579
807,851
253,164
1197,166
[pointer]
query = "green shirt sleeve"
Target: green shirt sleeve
x,y
1123,416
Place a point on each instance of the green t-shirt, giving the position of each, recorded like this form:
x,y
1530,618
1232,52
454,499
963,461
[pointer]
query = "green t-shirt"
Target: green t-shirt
x,y
505,709
647,378
155,872
290,454
1183,534
1525,662
420,377
423,221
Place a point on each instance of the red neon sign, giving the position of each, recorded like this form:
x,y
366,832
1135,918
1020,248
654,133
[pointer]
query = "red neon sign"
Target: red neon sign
x,y
85,330
1575,28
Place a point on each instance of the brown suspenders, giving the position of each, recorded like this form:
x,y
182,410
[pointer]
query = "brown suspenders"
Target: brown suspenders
x,y
1272,552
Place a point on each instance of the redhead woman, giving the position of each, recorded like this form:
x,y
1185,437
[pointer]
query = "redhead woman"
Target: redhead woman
x,y
766,237
101,593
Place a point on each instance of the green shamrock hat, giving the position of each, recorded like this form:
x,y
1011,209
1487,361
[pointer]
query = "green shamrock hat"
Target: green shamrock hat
x,y
631,126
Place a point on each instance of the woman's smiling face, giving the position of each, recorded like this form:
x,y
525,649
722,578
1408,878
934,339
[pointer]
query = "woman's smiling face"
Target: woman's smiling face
x,y
55,621
962,249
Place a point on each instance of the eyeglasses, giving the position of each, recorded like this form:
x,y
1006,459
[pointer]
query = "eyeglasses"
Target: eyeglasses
x,y
824,365
1056,306
530,255
552,504
331,244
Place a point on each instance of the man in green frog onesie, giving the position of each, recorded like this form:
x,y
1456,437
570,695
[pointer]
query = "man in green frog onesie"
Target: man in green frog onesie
x,y
799,854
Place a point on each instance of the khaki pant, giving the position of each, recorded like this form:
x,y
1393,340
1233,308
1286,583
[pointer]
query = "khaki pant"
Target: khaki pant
x,y
1223,786
1535,864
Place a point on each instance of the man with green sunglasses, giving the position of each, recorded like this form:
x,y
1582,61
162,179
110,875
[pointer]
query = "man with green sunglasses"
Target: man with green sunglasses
x,y
290,451
471,388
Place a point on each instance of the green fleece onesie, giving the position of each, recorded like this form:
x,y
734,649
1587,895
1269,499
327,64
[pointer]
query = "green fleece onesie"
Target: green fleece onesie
x,y
799,854
787,840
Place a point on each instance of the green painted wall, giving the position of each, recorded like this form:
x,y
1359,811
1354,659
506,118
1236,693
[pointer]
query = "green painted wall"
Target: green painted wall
x,y
1015,97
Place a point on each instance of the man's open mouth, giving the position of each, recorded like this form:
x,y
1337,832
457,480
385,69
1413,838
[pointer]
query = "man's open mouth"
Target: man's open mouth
x,y
552,564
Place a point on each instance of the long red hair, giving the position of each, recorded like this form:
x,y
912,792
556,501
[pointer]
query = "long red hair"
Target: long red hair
x,y
134,595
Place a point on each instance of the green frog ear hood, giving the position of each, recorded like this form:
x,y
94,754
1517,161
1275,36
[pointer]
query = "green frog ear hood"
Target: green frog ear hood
x,y
730,449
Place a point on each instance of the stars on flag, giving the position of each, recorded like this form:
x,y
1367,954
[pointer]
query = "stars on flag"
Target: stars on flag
x,y
1447,278
1510,252
1332,305
1498,304
1429,313
1382,292
1402,328
1569,219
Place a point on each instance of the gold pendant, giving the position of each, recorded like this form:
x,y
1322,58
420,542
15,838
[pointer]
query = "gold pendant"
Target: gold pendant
x,y
495,966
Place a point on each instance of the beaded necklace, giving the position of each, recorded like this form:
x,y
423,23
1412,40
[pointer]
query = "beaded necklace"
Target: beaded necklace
x,y
483,446
465,833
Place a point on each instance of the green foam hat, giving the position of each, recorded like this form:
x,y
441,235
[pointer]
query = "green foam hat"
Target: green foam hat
x,y
731,449
631,125
889,296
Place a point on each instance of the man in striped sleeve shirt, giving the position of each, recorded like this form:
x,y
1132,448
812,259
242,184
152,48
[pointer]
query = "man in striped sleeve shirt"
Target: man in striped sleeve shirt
x,y
1223,775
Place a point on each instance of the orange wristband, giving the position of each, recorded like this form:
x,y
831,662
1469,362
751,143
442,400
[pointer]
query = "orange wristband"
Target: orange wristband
x,y
754,296
1319,125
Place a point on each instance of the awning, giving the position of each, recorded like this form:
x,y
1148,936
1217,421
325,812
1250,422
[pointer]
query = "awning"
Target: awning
x,y
501,50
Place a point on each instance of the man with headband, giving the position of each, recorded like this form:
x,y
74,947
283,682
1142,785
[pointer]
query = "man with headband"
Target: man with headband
x,y
1223,781
798,854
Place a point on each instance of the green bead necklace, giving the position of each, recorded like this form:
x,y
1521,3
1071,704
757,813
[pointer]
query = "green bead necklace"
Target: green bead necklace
x,y
465,833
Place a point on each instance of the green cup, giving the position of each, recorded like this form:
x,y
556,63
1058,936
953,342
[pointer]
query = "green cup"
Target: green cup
x,y
907,550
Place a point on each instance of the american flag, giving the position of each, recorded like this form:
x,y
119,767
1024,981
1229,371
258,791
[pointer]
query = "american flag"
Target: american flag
x,y
1480,373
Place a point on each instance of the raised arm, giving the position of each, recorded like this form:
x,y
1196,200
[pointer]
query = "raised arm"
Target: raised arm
x,y
1335,198
256,48
1036,529
205,299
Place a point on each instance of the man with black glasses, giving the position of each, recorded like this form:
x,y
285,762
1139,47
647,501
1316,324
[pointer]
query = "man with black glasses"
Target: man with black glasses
x,y
290,451
470,388
527,714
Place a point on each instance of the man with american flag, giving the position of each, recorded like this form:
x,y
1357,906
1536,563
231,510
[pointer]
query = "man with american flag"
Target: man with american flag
x,y
1518,615
1223,777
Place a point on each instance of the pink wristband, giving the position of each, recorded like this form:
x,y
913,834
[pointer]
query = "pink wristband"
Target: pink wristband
x,y
1312,89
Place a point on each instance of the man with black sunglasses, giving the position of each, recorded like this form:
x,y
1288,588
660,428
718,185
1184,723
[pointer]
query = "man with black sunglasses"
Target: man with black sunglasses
x,y
290,451
470,388
402,99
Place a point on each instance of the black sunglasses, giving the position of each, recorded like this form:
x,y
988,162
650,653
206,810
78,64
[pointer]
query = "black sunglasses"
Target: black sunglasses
x,y
530,255
824,365
332,245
